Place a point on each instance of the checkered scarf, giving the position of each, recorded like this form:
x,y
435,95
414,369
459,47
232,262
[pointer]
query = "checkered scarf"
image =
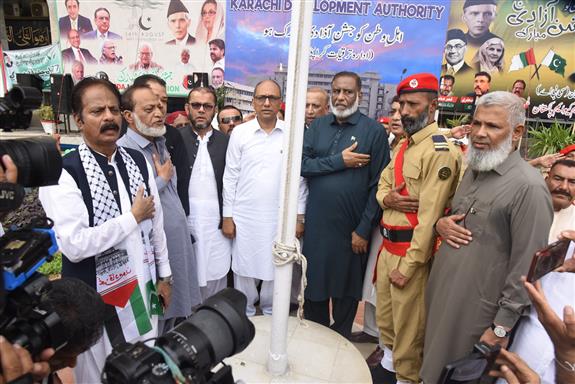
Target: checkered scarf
x,y
103,201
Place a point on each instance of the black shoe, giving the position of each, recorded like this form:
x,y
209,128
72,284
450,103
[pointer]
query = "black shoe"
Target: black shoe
x,y
362,337
380,375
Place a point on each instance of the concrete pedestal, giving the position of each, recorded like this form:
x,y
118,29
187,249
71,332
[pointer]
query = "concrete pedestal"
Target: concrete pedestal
x,y
316,354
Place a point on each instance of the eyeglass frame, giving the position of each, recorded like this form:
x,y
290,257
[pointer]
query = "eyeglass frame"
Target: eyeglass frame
x,y
197,106
229,119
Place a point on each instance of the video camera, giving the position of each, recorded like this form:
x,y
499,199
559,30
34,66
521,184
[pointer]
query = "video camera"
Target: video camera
x,y
17,106
24,319
218,329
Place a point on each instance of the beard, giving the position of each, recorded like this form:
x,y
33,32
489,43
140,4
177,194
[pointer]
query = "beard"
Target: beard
x,y
413,125
487,160
346,112
200,126
147,130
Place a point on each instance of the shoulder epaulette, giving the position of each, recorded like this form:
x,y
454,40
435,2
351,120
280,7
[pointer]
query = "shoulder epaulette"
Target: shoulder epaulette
x,y
440,143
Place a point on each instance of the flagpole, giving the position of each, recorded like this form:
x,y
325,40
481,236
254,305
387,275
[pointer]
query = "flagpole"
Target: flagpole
x,y
296,89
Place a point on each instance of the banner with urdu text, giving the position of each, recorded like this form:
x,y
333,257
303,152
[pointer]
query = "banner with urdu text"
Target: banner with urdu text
x,y
529,40
389,39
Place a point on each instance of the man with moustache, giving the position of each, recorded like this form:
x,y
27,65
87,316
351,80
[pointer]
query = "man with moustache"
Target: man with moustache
x,y
370,333
446,83
218,52
531,342
228,117
502,212
206,148
102,31
251,196
144,113
454,52
343,155
413,191
108,221
519,87
316,104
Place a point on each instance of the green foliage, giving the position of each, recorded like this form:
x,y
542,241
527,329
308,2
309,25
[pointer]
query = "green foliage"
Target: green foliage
x,y
46,113
53,267
457,120
221,96
547,140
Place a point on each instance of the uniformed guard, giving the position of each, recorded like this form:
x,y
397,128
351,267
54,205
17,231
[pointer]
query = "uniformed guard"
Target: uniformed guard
x,y
413,191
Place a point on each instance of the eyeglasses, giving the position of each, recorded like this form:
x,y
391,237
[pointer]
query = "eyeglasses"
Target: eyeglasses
x,y
197,106
208,13
262,98
227,120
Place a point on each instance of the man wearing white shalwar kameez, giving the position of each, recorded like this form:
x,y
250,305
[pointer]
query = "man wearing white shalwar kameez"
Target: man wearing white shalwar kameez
x,y
252,181
206,149
108,221
531,342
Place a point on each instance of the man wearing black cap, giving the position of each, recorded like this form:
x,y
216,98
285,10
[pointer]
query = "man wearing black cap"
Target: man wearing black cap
x,y
455,47
179,22
413,191
478,16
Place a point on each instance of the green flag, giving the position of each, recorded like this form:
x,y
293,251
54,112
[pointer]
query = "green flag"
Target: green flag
x,y
555,62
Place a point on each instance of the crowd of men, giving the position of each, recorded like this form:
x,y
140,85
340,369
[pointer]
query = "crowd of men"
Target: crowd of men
x,y
155,219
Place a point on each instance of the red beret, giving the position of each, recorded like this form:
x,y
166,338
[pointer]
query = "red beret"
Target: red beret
x,y
567,149
420,82
172,117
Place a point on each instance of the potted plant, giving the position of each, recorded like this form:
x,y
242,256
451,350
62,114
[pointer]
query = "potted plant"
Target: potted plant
x,y
47,119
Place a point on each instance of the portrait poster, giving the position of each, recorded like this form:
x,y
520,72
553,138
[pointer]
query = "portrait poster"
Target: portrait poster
x,y
529,40
383,41
128,38
41,61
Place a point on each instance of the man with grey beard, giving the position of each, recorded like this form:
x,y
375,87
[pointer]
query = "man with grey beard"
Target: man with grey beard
x,y
500,215
413,191
344,152
144,113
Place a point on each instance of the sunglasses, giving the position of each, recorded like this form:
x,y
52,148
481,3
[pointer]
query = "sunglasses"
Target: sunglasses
x,y
262,98
197,106
227,120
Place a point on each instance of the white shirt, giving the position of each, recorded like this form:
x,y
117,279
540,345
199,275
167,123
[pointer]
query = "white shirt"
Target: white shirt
x,y
203,180
64,204
532,342
456,67
251,182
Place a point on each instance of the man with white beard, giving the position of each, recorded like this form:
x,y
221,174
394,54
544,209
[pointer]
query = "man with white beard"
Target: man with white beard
x,y
502,210
413,191
144,113
343,154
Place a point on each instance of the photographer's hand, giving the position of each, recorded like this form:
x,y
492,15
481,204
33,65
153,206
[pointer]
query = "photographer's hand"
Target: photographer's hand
x,y
165,292
514,369
15,360
8,171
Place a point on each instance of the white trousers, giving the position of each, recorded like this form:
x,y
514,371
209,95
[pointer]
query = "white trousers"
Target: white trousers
x,y
212,287
248,286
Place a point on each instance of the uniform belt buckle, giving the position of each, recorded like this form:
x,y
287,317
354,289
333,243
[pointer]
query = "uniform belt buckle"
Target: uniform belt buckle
x,y
386,233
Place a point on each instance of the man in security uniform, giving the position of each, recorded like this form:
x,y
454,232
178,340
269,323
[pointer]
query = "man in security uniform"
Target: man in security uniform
x,y
413,191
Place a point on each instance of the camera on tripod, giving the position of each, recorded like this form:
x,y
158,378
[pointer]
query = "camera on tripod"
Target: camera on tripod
x,y
218,329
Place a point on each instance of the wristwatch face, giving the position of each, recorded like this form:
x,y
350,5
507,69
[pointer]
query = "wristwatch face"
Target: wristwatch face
x,y
500,331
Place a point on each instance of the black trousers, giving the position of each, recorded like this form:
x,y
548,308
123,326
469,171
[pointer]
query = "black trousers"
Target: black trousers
x,y
344,310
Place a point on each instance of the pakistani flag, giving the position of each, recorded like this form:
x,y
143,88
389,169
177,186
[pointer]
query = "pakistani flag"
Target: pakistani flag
x,y
522,60
555,62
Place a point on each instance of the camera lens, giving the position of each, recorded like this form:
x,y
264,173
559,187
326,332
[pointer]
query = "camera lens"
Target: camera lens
x,y
217,330
38,160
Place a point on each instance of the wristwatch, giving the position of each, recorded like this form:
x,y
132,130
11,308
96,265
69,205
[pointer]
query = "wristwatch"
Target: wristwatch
x,y
167,279
499,331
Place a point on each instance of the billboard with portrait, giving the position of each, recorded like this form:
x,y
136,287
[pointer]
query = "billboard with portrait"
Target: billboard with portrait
x,y
520,44
128,38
